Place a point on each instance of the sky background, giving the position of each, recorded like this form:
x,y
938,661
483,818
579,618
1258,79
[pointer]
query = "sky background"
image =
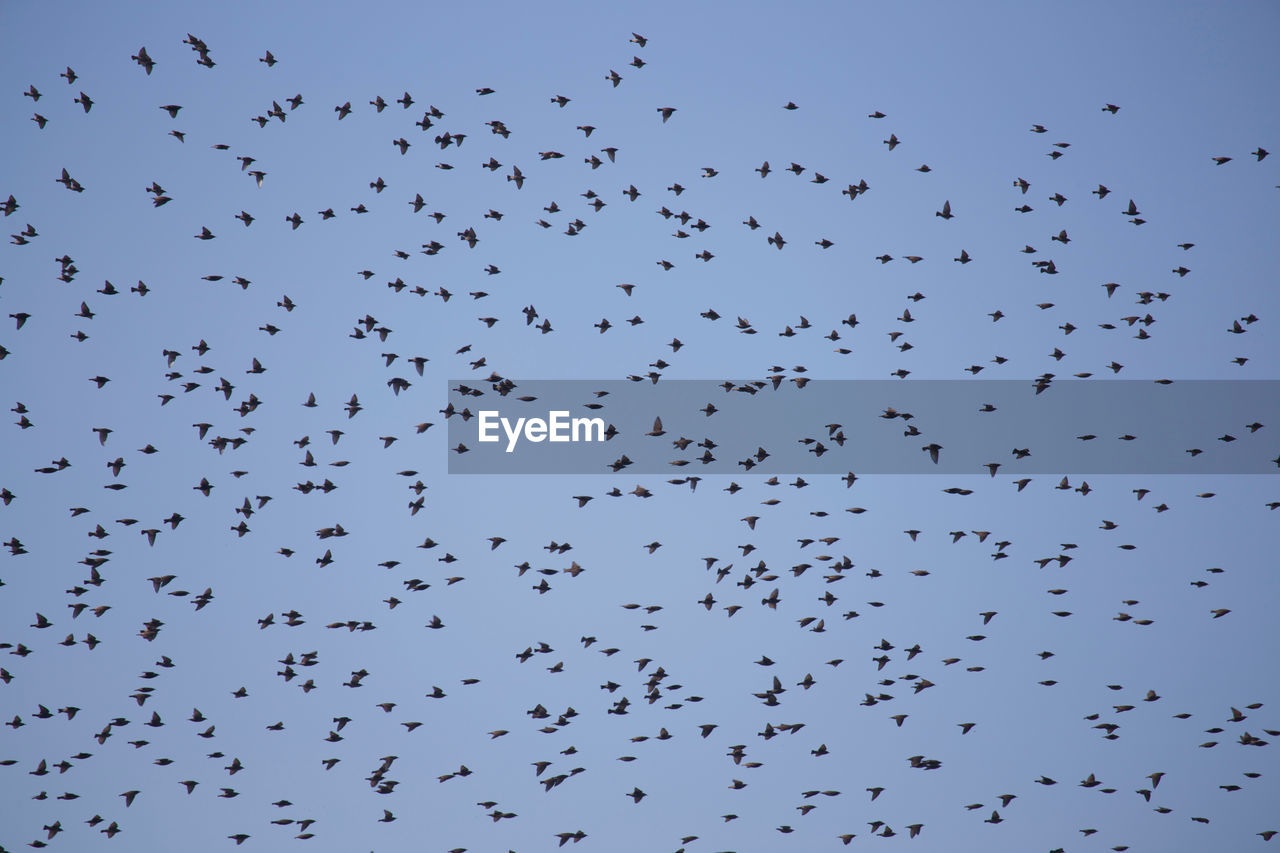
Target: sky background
x,y
961,89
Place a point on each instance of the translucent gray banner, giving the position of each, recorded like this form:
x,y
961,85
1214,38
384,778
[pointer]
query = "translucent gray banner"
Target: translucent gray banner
x,y
787,425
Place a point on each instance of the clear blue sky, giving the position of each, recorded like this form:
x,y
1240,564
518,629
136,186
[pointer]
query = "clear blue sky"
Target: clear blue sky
x,y
961,89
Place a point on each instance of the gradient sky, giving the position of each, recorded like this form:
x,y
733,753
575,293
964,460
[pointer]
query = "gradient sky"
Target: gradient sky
x,y
961,88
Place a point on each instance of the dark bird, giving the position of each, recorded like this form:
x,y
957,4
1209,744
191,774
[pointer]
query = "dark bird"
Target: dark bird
x,y
145,61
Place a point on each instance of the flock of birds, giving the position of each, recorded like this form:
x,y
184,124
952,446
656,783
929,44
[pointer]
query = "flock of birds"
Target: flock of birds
x,y
896,678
